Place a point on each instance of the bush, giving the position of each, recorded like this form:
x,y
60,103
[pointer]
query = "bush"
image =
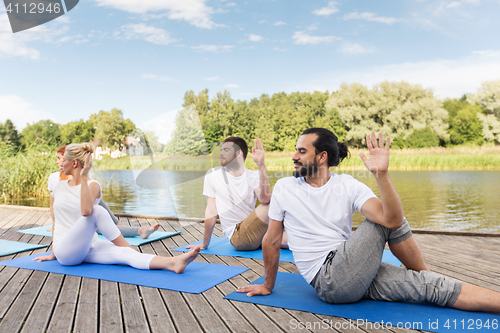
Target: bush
x,y
418,139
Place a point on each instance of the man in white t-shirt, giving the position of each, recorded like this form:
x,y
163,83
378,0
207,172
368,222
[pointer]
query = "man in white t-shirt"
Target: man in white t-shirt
x,y
232,192
316,209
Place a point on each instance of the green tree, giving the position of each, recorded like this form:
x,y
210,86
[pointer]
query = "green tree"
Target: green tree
x,y
393,108
491,127
466,127
188,137
42,132
10,135
488,96
77,131
111,128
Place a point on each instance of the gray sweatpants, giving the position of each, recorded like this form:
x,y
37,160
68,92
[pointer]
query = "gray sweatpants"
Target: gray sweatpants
x,y
356,271
126,231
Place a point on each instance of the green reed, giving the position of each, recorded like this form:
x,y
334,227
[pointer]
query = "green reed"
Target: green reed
x,y
24,174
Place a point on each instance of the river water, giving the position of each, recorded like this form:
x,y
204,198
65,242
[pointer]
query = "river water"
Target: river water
x,y
437,200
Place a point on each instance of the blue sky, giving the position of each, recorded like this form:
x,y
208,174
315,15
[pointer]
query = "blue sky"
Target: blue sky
x,y
142,56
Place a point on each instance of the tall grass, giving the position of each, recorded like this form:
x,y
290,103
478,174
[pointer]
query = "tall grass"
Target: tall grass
x,y
437,158
24,174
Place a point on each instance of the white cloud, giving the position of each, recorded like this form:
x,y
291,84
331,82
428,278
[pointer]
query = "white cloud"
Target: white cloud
x,y
158,78
447,77
279,23
262,21
330,9
370,17
213,48
21,112
16,45
353,49
301,38
279,50
230,4
254,38
212,78
194,12
145,32
232,86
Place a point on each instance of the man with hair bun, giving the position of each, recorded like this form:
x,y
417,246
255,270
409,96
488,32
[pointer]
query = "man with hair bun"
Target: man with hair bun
x,y
232,192
316,209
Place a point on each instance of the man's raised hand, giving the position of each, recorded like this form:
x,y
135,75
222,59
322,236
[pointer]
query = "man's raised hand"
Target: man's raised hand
x,y
258,152
379,155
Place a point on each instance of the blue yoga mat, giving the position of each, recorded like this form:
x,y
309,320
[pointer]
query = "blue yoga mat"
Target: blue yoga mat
x,y
293,292
197,276
134,241
222,247
10,247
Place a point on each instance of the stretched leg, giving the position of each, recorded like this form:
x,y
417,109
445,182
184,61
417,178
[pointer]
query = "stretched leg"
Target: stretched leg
x,y
473,298
106,253
393,283
349,271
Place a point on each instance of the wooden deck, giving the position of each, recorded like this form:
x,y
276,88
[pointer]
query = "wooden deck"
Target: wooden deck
x,y
33,301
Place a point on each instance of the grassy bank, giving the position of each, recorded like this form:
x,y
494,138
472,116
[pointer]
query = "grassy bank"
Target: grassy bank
x,y
461,158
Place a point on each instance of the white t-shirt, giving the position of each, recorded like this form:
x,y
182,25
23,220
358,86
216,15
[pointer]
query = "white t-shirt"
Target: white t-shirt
x,y
235,197
67,208
53,180
316,219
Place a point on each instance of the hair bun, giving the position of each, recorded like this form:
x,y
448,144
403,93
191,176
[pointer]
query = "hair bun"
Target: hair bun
x,y
88,147
343,151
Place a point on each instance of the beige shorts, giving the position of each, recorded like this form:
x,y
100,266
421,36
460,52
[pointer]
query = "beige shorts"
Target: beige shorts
x,y
248,234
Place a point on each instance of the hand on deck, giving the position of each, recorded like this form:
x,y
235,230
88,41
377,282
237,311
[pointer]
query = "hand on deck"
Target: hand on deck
x,y
45,258
258,152
198,247
254,290
379,155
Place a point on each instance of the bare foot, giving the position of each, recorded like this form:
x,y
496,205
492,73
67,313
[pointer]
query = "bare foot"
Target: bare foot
x,y
145,232
184,259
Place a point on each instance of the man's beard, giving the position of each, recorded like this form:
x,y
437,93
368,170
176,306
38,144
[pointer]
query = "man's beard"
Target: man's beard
x,y
226,162
307,170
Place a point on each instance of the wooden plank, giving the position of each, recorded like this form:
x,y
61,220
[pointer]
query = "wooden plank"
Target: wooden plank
x,y
134,318
110,314
39,316
87,308
14,286
156,311
14,319
207,317
64,312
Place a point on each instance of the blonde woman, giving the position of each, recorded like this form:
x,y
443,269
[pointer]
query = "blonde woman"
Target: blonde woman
x,y
78,215
126,231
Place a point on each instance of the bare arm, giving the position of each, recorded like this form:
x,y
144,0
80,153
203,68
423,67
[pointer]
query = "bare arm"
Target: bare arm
x,y
89,193
388,210
210,219
271,245
52,210
263,192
